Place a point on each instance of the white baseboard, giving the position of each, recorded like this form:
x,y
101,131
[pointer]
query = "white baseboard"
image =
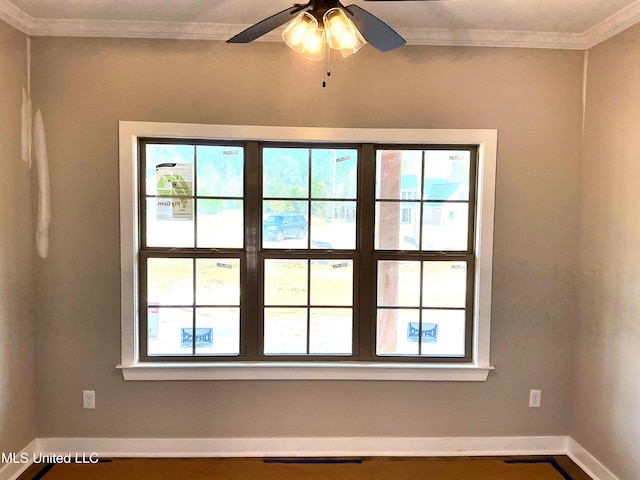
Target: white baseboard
x,y
587,462
11,471
303,447
310,447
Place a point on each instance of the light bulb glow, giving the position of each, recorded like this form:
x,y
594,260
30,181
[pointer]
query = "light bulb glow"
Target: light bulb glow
x,y
314,43
341,32
297,33
298,30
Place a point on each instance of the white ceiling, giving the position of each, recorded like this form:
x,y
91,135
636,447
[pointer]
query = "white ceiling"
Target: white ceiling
x,y
576,24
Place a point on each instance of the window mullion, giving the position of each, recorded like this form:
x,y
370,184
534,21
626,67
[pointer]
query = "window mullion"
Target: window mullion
x,y
473,194
143,306
194,209
364,328
250,290
309,200
194,206
308,346
194,318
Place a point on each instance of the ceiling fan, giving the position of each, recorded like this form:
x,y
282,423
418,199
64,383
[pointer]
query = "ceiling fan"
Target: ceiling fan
x,y
331,19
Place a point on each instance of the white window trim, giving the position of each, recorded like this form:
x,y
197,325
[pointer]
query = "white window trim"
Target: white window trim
x,y
133,369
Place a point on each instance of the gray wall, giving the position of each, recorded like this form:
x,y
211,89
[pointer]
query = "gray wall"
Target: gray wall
x,y
85,86
17,370
606,402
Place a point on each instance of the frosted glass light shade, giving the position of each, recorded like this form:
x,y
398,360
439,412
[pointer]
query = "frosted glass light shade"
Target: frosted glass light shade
x,y
341,32
314,44
305,36
295,34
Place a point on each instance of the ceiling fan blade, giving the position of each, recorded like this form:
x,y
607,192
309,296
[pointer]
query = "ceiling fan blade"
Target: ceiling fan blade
x,y
375,31
265,26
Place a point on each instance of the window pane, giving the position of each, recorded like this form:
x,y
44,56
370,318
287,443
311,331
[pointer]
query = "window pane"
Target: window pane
x,y
285,331
170,281
331,331
397,226
394,335
445,226
334,173
220,171
284,224
285,173
220,223
162,229
444,284
217,331
398,283
170,331
398,172
218,281
333,225
448,339
332,282
446,175
164,155
285,282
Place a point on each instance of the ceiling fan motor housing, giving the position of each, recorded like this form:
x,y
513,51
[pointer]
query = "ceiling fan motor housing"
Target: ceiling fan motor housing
x,y
320,7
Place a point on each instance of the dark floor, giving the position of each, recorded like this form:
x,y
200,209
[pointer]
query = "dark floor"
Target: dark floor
x,y
556,467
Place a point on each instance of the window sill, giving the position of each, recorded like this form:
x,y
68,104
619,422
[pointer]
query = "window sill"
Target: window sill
x,y
306,371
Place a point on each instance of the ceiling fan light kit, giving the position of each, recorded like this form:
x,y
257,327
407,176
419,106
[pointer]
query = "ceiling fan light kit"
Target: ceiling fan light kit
x,y
306,35
322,25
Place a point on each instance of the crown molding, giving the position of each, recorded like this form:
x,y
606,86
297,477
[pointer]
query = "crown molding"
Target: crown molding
x,y
137,29
492,38
616,23
15,17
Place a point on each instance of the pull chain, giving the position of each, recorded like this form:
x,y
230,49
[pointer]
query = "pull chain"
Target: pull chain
x,y
326,62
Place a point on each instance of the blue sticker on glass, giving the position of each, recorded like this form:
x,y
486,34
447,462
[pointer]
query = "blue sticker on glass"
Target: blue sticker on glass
x,y
152,321
204,337
429,332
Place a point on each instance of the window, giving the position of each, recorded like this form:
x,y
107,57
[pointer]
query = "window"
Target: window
x,y
336,252
191,248
307,292
424,296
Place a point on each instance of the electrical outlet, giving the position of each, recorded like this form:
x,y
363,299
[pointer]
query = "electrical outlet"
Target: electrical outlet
x,y
535,398
88,399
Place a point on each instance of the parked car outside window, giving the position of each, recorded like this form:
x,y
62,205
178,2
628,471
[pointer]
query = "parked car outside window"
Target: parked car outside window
x,y
280,226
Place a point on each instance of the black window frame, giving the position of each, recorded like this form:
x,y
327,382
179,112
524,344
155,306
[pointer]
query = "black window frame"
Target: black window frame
x,y
253,255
